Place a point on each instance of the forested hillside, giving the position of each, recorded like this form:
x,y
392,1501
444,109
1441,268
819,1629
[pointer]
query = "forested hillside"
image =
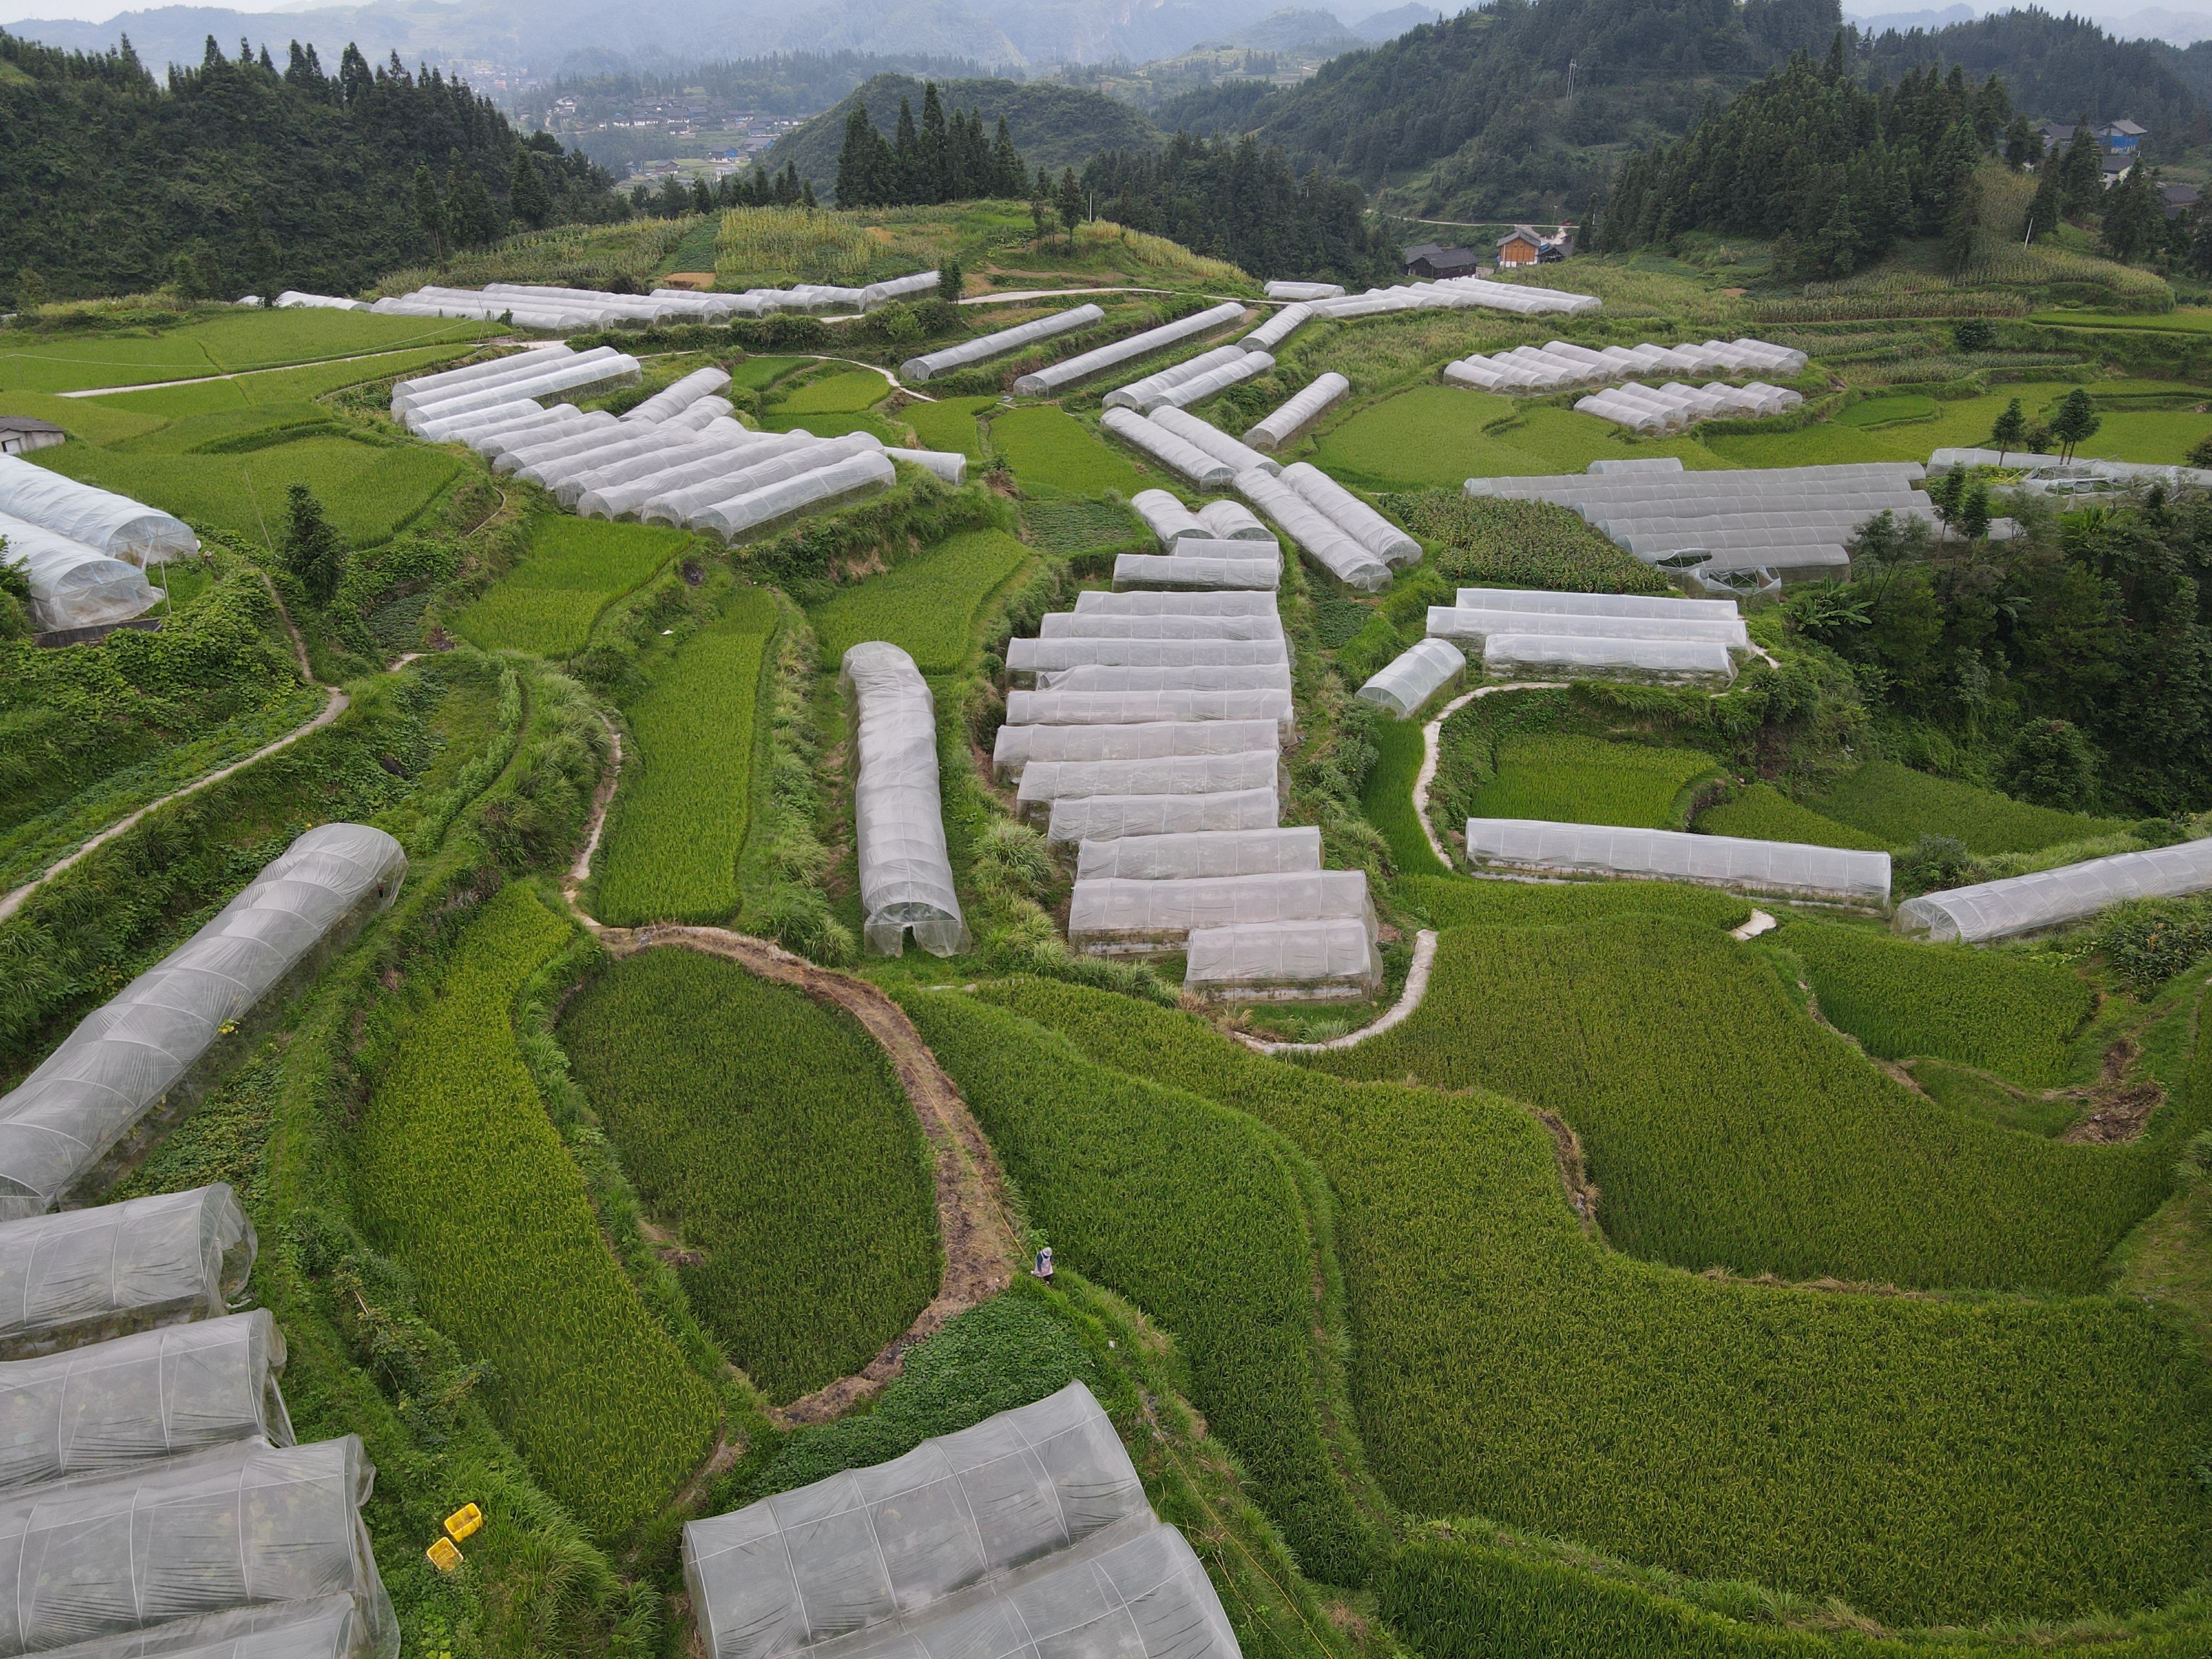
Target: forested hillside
x,y
2057,68
1054,127
237,177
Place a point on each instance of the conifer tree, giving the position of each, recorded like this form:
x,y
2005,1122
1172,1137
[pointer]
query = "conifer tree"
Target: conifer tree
x,y
2010,429
527,195
430,212
1006,172
2075,422
906,152
1069,202
312,551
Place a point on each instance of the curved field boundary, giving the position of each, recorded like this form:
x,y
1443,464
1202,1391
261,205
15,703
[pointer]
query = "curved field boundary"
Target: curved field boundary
x,y
1431,734
279,368
335,705
1417,987
974,1222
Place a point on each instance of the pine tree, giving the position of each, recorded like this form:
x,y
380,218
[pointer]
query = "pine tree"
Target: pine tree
x,y
1069,202
2082,170
906,154
1007,174
857,182
527,195
2075,422
2134,216
430,212
935,179
950,280
2023,143
2050,196
2011,426
312,551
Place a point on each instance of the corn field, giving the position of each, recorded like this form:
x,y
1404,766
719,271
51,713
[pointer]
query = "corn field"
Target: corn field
x,y
569,256
776,247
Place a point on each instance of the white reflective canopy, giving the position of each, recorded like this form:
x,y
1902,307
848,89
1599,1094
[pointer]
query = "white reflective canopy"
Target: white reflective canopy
x,y
1050,378
139,1399
1103,817
1755,867
1408,680
1110,913
83,1274
1026,1535
1301,412
1017,746
1095,625
73,585
1045,781
1047,659
241,1525
1255,960
1507,654
323,1627
1090,600
1166,517
1139,708
102,520
906,870
917,370
1262,575
127,1054
1202,853
2052,898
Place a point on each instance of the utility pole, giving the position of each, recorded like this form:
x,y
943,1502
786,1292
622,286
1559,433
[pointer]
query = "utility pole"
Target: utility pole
x,y
1571,77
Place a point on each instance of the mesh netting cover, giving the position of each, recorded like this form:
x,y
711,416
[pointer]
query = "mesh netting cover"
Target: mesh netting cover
x,y
1758,866
2052,898
906,871
85,1274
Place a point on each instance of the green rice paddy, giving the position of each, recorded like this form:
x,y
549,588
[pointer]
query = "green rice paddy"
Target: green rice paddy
x,y
574,570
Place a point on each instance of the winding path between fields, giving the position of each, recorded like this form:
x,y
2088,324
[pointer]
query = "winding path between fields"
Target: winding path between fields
x,y
1417,987
333,706
974,1219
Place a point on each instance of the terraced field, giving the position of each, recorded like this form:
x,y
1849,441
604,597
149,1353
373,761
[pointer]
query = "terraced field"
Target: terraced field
x,y
930,605
1052,452
1572,780
575,568
1898,805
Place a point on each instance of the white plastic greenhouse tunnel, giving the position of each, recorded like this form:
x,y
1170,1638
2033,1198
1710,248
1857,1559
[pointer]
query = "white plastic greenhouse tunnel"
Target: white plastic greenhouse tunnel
x,y
1314,531
1146,708
1513,656
1045,381
1406,683
73,585
1203,436
1298,291
675,398
85,1275
1232,522
419,389
1111,915
919,371
1105,817
1040,660
1290,419
1385,540
2054,898
1029,1533
1178,455
100,520
292,299
1278,328
1015,747
1287,849
138,1399
1146,570
1146,395
898,809
243,1525
1046,782
129,1053
322,1627
1269,961
1791,868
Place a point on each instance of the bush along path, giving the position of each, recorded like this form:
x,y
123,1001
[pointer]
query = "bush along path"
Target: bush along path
x,y
975,1221
334,704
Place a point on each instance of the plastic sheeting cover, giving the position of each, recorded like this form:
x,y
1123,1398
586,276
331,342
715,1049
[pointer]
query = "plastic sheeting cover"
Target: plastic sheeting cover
x,y
1111,912
675,398
1091,601
83,1274
1104,818
1464,622
1045,781
1146,707
906,871
1405,683
73,585
1051,378
1015,747
1167,518
2052,898
1507,654
1248,676
245,1525
1385,540
138,1399
102,520
1300,411
1293,848
1046,658
1758,866
1209,439
1544,602
1254,958
1098,625
323,1627
127,1054
1161,570
917,370
1278,328
1004,1503
1233,522
822,487
1302,291
1178,454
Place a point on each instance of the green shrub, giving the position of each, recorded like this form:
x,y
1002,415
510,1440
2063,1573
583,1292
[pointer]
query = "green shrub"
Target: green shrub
x,y
680,815
2026,1459
1663,1043
768,1133
1195,1213
2150,940
2004,1011
462,1178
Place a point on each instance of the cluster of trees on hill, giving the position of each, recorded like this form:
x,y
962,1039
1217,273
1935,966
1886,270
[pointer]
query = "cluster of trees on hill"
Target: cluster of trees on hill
x,y
238,177
2103,620
760,188
940,159
1834,172
1241,201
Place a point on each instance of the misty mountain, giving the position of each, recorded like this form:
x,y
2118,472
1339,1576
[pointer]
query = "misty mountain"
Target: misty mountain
x,y
542,38
1287,31
2056,67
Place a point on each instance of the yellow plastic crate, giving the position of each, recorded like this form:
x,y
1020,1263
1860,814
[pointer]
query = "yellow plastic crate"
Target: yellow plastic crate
x,y
463,1522
443,1556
